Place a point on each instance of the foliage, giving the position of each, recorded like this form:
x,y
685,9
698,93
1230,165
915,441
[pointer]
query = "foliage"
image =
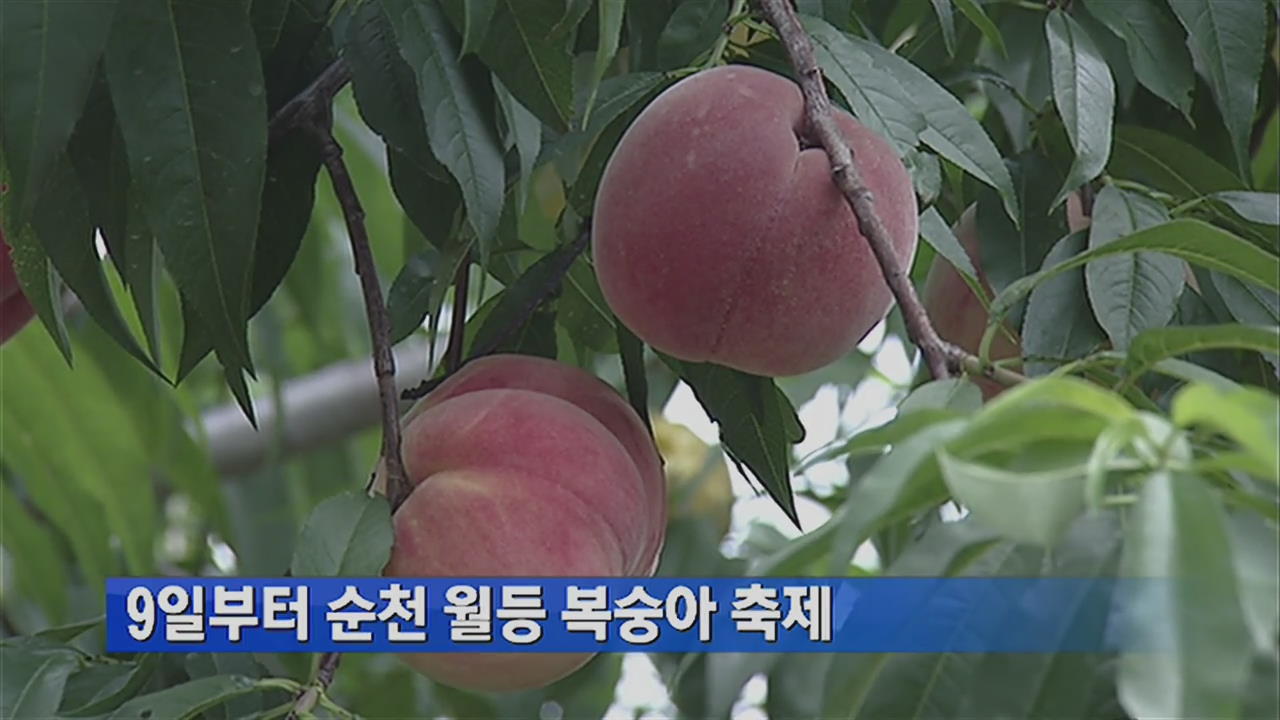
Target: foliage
x,y
476,133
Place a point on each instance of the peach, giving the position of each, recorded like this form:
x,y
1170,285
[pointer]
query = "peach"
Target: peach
x,y
15,310
958,314
525,467
718,234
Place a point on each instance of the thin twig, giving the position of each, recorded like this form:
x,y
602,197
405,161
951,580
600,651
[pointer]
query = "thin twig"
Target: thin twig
x,y
942,358
458,323
972,365
384,363
319,121
313,102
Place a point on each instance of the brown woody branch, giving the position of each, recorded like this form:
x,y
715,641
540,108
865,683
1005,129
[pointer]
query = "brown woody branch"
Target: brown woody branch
x,y
312,110
942,358
384,363
313,102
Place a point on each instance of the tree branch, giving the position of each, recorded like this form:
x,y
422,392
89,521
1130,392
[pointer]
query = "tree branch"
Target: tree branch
x,y
384,363
942,358
315,101
313,110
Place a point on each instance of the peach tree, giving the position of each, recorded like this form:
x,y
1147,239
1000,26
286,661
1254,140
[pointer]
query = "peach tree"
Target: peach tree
x,y
357,287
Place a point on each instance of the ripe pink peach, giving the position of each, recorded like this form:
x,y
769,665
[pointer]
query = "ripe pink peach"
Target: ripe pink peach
x,y
525,467
718,234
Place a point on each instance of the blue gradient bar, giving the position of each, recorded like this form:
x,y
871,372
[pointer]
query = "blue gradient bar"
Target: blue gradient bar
x,y
845,615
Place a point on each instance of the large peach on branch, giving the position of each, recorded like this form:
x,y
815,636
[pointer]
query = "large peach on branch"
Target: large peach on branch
x,y
718,234
523,466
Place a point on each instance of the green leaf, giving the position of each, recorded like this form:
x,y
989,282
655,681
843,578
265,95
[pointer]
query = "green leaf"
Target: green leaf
x,y
946,21
902,483
1033,506
631,350
979,18
1085,95
1059,325
757,423
864,685
1167,163
1258,207
1006,420
1192,240
34,555
461,137
71,631
186,700
1190,372
477,16
1012,248
527,48
876,82
431,203
1249,304
33,682
97,153
410,296
1156,47
690,30
958,394
348,535
40,284
1189,611
836,12
1254,553
876,97
521,300
386,93
940,237
609,29
1054,685
201,665
1265,168
61,222
49,50
876,440
590,691
288,196
1152,346
574,12
1132,292
524,131
268,19
104,474
1227,42
187,85
100,689
1023,77
1249,416
622,98
583,311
